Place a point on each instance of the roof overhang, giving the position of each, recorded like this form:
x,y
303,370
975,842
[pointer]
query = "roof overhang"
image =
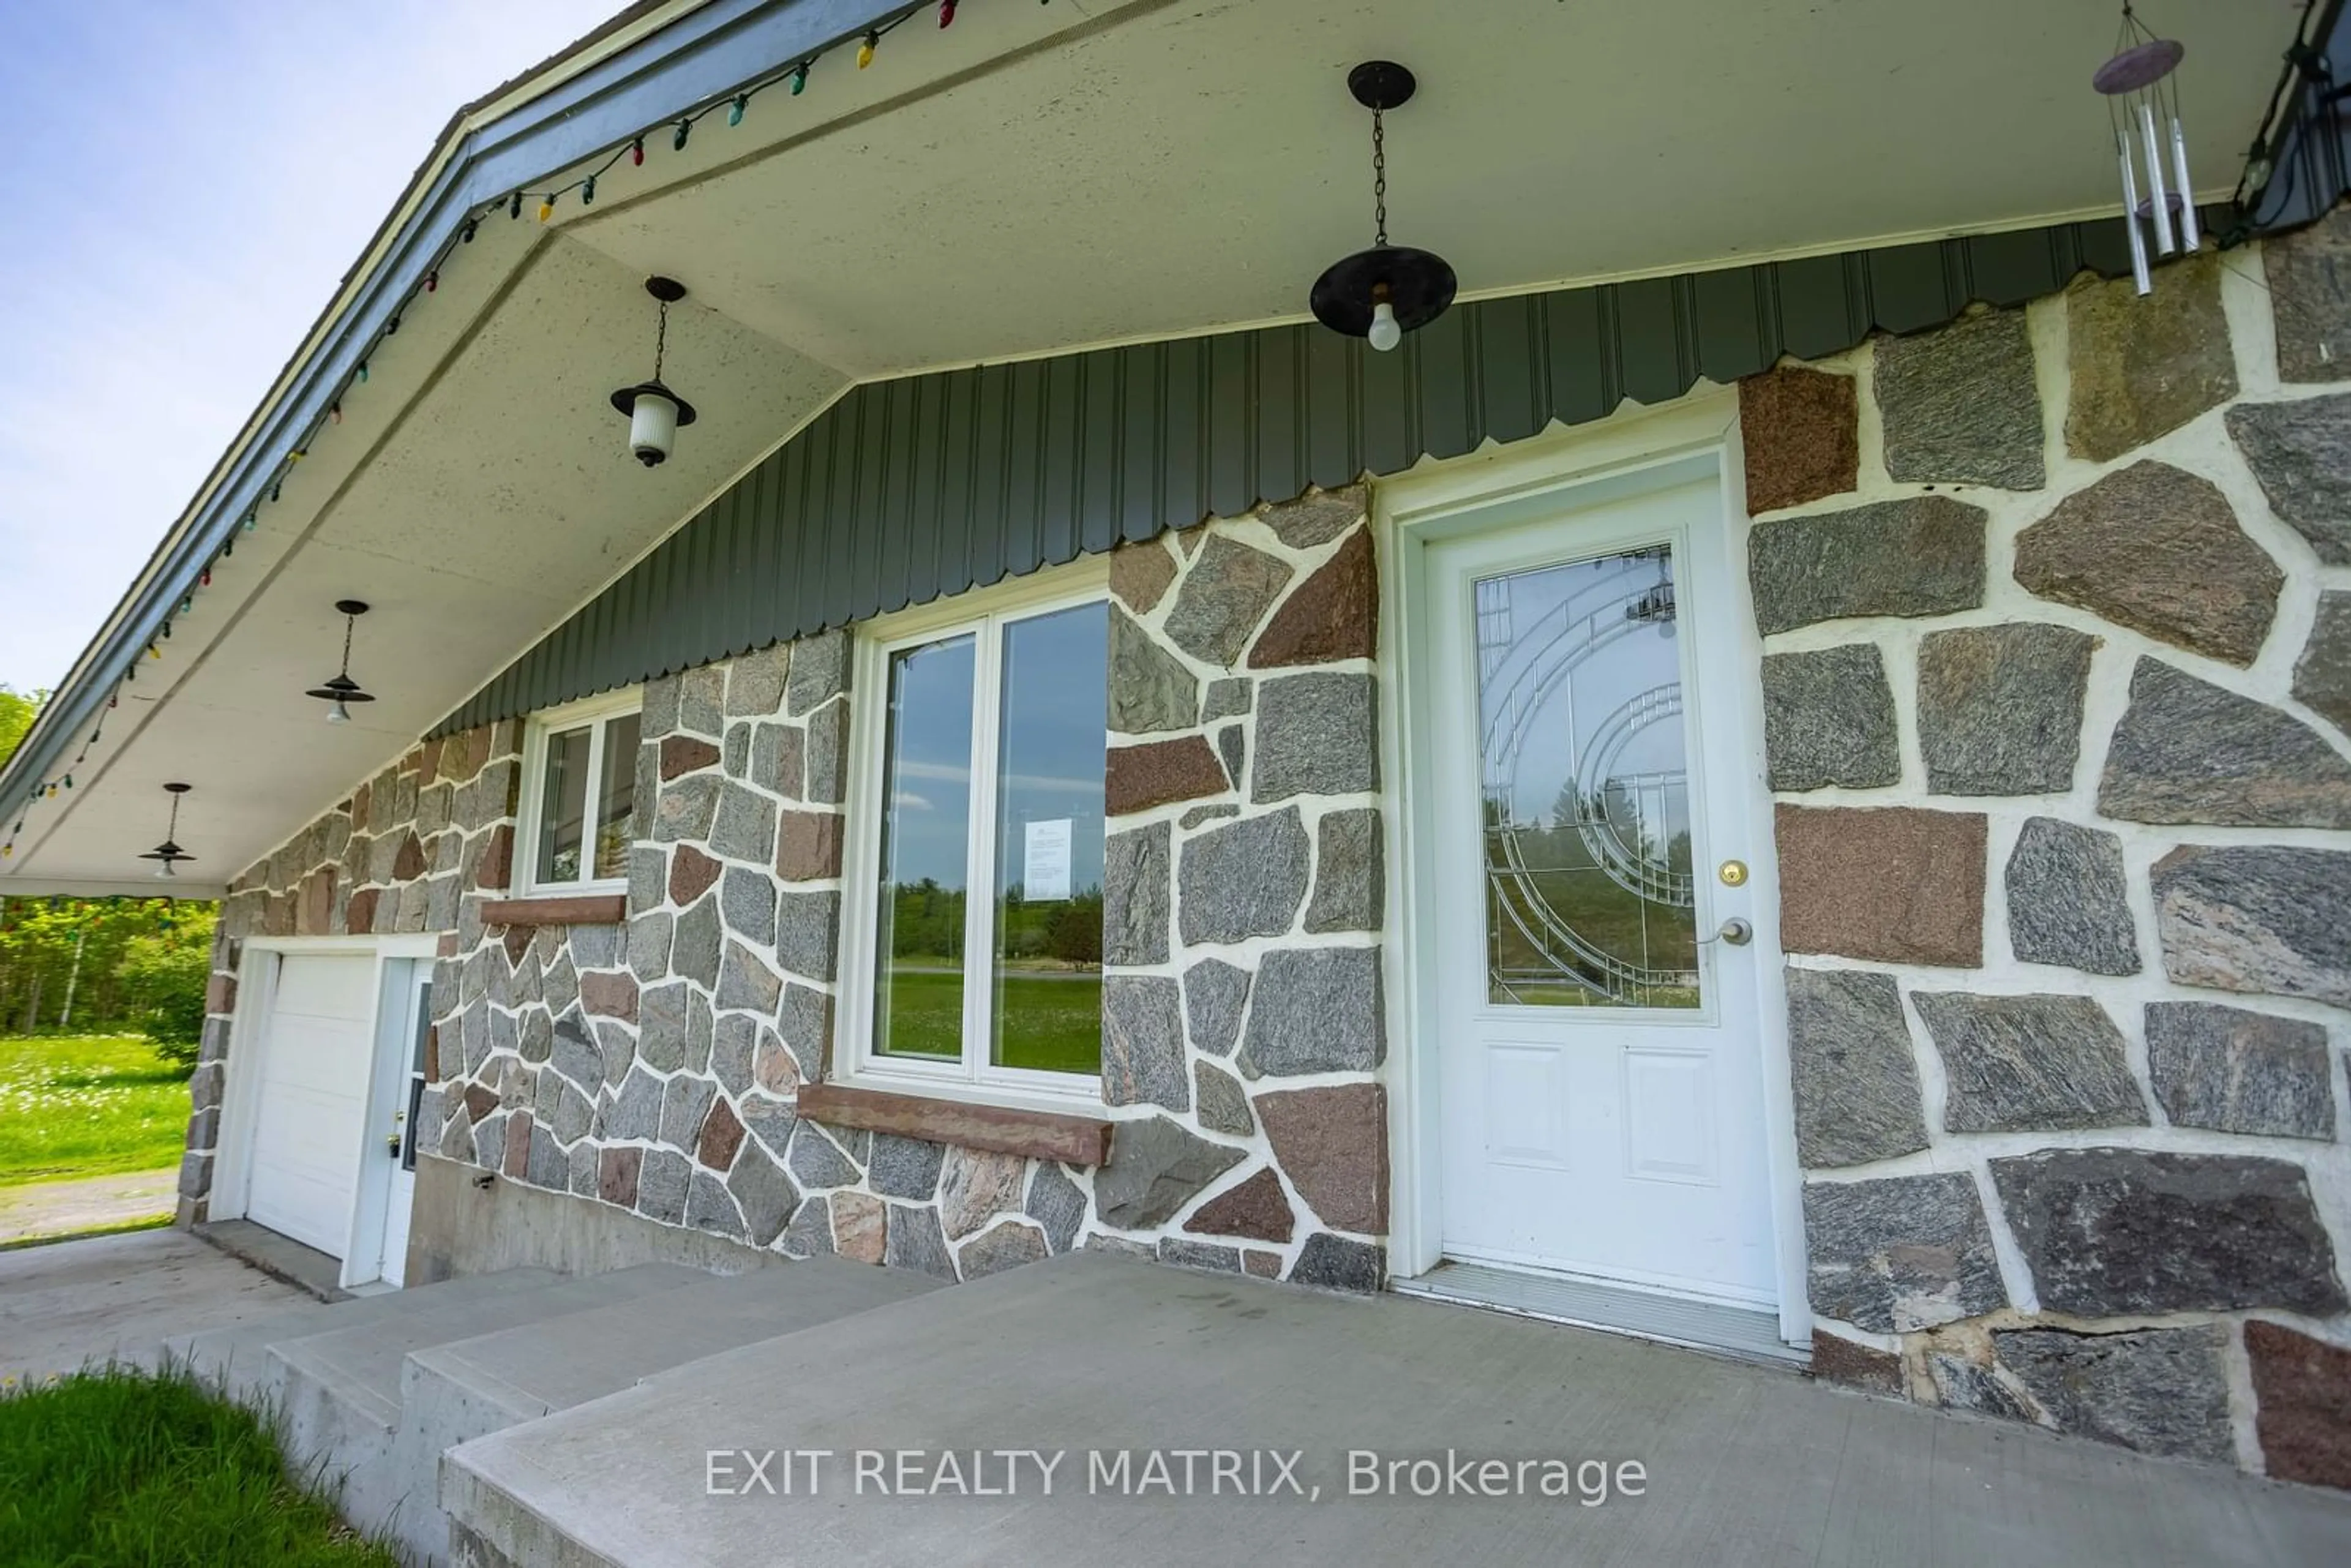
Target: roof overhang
x,y
1030,182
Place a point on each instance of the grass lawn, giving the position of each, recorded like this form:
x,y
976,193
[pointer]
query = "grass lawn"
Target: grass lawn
x,y
88,1105
121,1467
1051,1022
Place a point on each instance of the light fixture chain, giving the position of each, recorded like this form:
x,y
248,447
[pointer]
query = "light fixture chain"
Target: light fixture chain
x,y
661,339
349,622
1379,179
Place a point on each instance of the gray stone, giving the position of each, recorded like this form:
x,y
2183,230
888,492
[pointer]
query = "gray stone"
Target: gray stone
x,y
661,1026
701,700
710,1207
1223,596
2238,1071
820,671
2143,367
2160,1391
1156,1167
975,1185
1245,879
2257,918
537,1042
746,827
904,1168
817,1160
1227,697
1214,995
1349,873
779,759
1318,517
1959,405
734,1045
576,1056
549,1166
2108,1233
1143,1043
1856,1083
765,1194
744,982
2300,453
2016,1064
2322,677
1224,1104
1183,1253
826,751
2158,549
807,927
688,806
574,1113
769,1121
1317,1010
2310,300
1999,708
755,683
1922,555
804,1021
748,899
913,1241
694,954
659,716
619,1044
1200,814
1335,1263
1962,1384
1007,1245
699,1025
2067,901
595,946
685,1101
736,754
1135,894
809,1234
1150,691
1901,1253
1317,733
1828,719
635,1112
490,1143
660,1185
506,1034
1054,1202
1232,750
2188,752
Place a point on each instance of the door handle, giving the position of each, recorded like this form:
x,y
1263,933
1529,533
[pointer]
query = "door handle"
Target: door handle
x,y
1735,933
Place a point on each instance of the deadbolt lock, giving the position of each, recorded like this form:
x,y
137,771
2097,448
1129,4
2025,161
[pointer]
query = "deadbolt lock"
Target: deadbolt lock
x,y
1733,874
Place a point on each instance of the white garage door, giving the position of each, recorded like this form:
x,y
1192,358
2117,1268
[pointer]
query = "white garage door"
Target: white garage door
x,y
312,1100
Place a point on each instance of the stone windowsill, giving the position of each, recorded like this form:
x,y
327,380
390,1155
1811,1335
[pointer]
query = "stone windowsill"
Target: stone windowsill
x,y
575,909
997,1129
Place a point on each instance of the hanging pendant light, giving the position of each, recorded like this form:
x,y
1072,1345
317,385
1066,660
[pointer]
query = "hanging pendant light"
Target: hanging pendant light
x,y
1384,292
654,411
342,691
169,851
2143,106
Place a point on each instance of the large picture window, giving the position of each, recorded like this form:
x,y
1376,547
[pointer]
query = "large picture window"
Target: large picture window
x,y
579,795
985,772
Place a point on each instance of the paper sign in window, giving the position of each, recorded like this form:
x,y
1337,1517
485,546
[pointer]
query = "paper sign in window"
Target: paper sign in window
x,y
1045,870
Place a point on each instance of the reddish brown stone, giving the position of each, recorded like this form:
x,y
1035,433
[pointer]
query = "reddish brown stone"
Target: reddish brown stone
x,y
220,994
691,875
1264,1265
278,916
616,1176
414,761
1332,1144
464,753
807,846
444,948
360,809
681,754
1256,1209
722,1134
858,1229
480,1099
1801,429
775,1068
610,995
359,918
497,862
318,908
429,769
1893,884
409,864
517,1159
1140,573
1334,614
1142,777
432,1053
2302,1388
516,941
1836,1360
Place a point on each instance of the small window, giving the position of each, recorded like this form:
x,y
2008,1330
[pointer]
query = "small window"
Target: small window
x,y
580,794
986,772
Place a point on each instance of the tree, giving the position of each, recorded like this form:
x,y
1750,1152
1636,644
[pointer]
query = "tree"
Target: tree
x,y
18,712
163,975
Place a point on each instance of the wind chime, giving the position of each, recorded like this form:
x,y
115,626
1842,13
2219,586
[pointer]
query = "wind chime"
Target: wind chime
x,y
2143,103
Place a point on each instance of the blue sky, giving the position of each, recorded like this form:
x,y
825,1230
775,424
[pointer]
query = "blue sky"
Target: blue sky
x,y
188,184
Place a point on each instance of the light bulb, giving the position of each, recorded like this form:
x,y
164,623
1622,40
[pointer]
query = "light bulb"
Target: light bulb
x,y
167,871
1385,333
338,714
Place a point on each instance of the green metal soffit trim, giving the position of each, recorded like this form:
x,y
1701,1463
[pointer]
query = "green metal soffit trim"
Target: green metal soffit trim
x,y
906,490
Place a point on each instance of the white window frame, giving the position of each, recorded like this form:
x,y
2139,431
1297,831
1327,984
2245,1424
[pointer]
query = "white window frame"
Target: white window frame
x,y
971,1078
592,712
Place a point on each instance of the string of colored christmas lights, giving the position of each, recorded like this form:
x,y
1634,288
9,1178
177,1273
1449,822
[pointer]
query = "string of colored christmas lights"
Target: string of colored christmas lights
x,y
735,106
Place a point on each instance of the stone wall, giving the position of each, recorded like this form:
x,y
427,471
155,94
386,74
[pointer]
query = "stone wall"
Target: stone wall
x,y
2056,676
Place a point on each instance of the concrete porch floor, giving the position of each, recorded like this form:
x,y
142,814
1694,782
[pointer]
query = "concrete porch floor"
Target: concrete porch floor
x,y
71,1302
1744,1464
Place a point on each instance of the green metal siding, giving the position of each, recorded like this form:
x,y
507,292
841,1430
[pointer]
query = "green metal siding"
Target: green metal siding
x,y
909,489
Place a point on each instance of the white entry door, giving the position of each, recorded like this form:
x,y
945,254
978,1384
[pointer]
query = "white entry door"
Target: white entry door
x,y
400,1085
310,1102
1599,1065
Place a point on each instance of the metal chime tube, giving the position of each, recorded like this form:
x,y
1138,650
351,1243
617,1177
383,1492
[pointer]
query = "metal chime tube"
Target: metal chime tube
x,y
2145,284
2189,234
2158,202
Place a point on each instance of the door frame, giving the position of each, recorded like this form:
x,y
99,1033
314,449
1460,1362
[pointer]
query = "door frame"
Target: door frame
x,y
1624,453
256,999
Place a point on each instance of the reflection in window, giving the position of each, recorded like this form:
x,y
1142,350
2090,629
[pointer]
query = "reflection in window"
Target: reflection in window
x,y
585,794
926,852
563,805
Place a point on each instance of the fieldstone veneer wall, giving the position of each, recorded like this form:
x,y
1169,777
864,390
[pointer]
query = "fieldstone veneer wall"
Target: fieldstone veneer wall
x,y
2056,607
